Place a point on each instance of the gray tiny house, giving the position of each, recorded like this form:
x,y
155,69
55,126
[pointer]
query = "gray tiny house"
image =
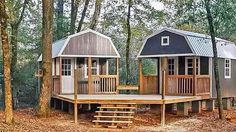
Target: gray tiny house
x,y
189,62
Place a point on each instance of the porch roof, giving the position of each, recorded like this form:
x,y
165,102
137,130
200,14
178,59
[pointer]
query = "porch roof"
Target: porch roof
x,y
200,45
88,43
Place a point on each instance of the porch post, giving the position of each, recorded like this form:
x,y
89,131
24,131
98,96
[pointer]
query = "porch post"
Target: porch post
x,y
164,86
90,89
140,76
75,95
117,71
194,77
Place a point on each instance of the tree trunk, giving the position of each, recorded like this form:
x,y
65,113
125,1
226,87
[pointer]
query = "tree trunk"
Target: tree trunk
x,y
45,94
14,48
6,64
128,44
60,10
14,34
96,14
215,61
73,16
83,15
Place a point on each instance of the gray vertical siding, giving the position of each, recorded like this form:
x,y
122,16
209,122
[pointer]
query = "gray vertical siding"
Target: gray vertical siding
x,y
228,85
177,45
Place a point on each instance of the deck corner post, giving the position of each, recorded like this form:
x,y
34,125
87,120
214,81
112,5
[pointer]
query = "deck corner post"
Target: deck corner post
x,y
75,96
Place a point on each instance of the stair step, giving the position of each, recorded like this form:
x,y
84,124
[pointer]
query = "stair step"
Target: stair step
x,y
128,117
118,112
105,121
117,107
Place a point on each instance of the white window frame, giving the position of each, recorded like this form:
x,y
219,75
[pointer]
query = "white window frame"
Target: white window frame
x,y
86,66
162,40
227,68
66,70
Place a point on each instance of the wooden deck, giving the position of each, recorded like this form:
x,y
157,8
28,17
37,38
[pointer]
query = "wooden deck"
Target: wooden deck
x,y
122,98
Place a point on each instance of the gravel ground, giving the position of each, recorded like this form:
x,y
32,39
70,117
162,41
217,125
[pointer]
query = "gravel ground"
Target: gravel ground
x,y
25,120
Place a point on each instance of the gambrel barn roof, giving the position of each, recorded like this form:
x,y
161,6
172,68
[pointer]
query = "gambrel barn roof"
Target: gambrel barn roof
x,y
200,45
88,43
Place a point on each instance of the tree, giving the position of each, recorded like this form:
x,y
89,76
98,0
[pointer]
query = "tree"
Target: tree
x,y
60,11
83,15
6,63
45,94
15,23
215,60
96,14
73,15
128,43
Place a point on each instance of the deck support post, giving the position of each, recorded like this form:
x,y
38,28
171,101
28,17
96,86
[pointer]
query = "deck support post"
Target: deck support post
x,y
164,87
227,103
140,76
156,109
75,96
210,105
196,106
90,89
182,109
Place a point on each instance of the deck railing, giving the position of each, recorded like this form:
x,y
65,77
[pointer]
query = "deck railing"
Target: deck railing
x,y
185,85
83,87
202,85
180,85
149,84
104,83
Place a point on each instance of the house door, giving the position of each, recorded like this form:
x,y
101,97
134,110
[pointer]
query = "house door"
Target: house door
x,y
67,75
189,66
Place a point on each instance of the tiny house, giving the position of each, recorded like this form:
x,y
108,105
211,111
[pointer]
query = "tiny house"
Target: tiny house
x,y
189,58
89,52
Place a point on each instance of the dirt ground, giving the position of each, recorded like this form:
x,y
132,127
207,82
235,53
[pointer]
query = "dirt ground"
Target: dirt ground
x,y
25,120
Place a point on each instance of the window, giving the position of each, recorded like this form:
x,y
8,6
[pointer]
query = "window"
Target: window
x,y
165,40
227,68
66,67
171,66
189,66
95,67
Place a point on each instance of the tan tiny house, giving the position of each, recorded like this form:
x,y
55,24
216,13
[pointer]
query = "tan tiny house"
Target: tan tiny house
x,y
81,51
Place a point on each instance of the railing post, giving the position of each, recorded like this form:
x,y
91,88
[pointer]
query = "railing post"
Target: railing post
x,y
164,86
117,73
90,88
194,77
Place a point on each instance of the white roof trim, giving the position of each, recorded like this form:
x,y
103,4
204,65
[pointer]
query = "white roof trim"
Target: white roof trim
x,y
95,56
83,32
166,55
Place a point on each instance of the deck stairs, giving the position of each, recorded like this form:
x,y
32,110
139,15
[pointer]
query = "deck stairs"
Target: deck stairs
x,y
114,115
